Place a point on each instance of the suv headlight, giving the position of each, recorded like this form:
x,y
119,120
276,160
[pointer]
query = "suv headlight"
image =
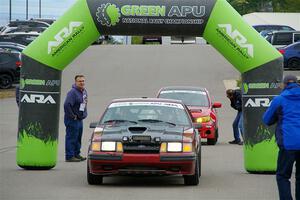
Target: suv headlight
x,y
203,119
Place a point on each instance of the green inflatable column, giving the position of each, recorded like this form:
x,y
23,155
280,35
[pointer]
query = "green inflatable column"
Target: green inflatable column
x,y
261,68
43,61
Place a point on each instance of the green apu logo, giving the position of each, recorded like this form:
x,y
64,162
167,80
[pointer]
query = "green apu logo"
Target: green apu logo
x,y
38,82
247,86
108,14
24,82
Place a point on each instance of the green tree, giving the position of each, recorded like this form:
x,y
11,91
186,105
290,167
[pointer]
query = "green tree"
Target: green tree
x,y
249,6
286,5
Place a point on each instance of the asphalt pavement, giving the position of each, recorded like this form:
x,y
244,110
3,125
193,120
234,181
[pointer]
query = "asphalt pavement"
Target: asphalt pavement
x,y
136,71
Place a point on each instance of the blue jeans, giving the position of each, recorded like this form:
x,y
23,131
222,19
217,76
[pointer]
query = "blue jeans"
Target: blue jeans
x,y
241,126
285,162
73,137
235,126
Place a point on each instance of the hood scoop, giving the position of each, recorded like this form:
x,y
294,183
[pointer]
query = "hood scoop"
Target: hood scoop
x,y
196,110
137,129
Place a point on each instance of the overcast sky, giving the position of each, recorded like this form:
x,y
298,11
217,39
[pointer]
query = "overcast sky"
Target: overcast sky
x,y
50,9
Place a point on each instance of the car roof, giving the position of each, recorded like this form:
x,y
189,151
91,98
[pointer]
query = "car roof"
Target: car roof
x,y
23,33
12,44
257,25
26,22
192,88
47,20
8,52
287,31
290,45
145,99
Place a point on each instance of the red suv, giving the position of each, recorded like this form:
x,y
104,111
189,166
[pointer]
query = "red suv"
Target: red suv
x,y
200,106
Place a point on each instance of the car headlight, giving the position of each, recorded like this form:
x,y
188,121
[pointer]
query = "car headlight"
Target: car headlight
x,y
96,146
108,146
203,119
187,147
174,147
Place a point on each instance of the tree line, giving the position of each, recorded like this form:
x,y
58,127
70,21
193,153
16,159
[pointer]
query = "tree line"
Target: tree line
x,y
249,6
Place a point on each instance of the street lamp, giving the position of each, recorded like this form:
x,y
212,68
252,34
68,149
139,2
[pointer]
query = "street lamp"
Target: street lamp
x,y
40,9
9,10
26,9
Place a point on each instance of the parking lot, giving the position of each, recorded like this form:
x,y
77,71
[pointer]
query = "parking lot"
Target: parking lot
x,y
137,71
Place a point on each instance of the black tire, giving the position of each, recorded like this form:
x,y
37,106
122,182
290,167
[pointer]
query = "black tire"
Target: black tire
x,y
193,179
214,140
6,81
293,63
93,179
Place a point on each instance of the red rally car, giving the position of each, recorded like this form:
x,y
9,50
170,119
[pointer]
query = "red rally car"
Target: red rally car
x,y
144,136
200,106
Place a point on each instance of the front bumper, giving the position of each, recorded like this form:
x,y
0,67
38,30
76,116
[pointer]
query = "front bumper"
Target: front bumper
x,y
151,164
208,130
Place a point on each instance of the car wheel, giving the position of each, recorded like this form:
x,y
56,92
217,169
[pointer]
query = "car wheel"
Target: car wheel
x,y
93,179
193,179
213,141
199,161
6,81
294,63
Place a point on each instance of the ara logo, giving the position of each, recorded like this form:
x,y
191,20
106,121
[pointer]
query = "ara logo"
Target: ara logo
x,y
258,102
38,98
238,38
62,35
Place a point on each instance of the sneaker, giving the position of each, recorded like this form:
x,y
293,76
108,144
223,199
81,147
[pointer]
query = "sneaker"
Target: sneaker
x,y
80,158
73,159
240,143
234,142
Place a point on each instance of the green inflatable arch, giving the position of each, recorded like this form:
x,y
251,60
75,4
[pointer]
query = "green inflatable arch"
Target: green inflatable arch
x,y
215,20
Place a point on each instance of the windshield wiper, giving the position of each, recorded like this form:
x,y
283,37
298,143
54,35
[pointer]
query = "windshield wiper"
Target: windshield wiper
x,y
156,121
119,121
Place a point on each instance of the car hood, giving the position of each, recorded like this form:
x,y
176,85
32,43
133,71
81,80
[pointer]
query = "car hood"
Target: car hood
x,y
165,133
198,111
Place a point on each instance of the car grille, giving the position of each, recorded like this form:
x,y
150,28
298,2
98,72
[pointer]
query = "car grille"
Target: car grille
x,y
142,148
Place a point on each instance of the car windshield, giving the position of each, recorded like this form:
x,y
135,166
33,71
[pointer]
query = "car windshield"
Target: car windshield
x,y
158,113
188,97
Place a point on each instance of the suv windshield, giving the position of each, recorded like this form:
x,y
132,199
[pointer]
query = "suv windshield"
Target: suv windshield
x,y
188,97
158,113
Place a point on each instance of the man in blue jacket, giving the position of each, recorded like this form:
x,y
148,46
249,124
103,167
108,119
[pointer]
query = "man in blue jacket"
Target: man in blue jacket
x,y
75,108
235,98
285,111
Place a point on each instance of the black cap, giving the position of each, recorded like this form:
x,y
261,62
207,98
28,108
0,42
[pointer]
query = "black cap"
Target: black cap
x,y
290,79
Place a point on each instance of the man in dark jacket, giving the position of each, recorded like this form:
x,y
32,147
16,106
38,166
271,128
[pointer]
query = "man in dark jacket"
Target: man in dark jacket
x,y
235,98
285,111
75,108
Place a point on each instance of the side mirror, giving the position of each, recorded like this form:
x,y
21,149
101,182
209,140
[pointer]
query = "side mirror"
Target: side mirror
x,y
197,125
217,105
93,124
